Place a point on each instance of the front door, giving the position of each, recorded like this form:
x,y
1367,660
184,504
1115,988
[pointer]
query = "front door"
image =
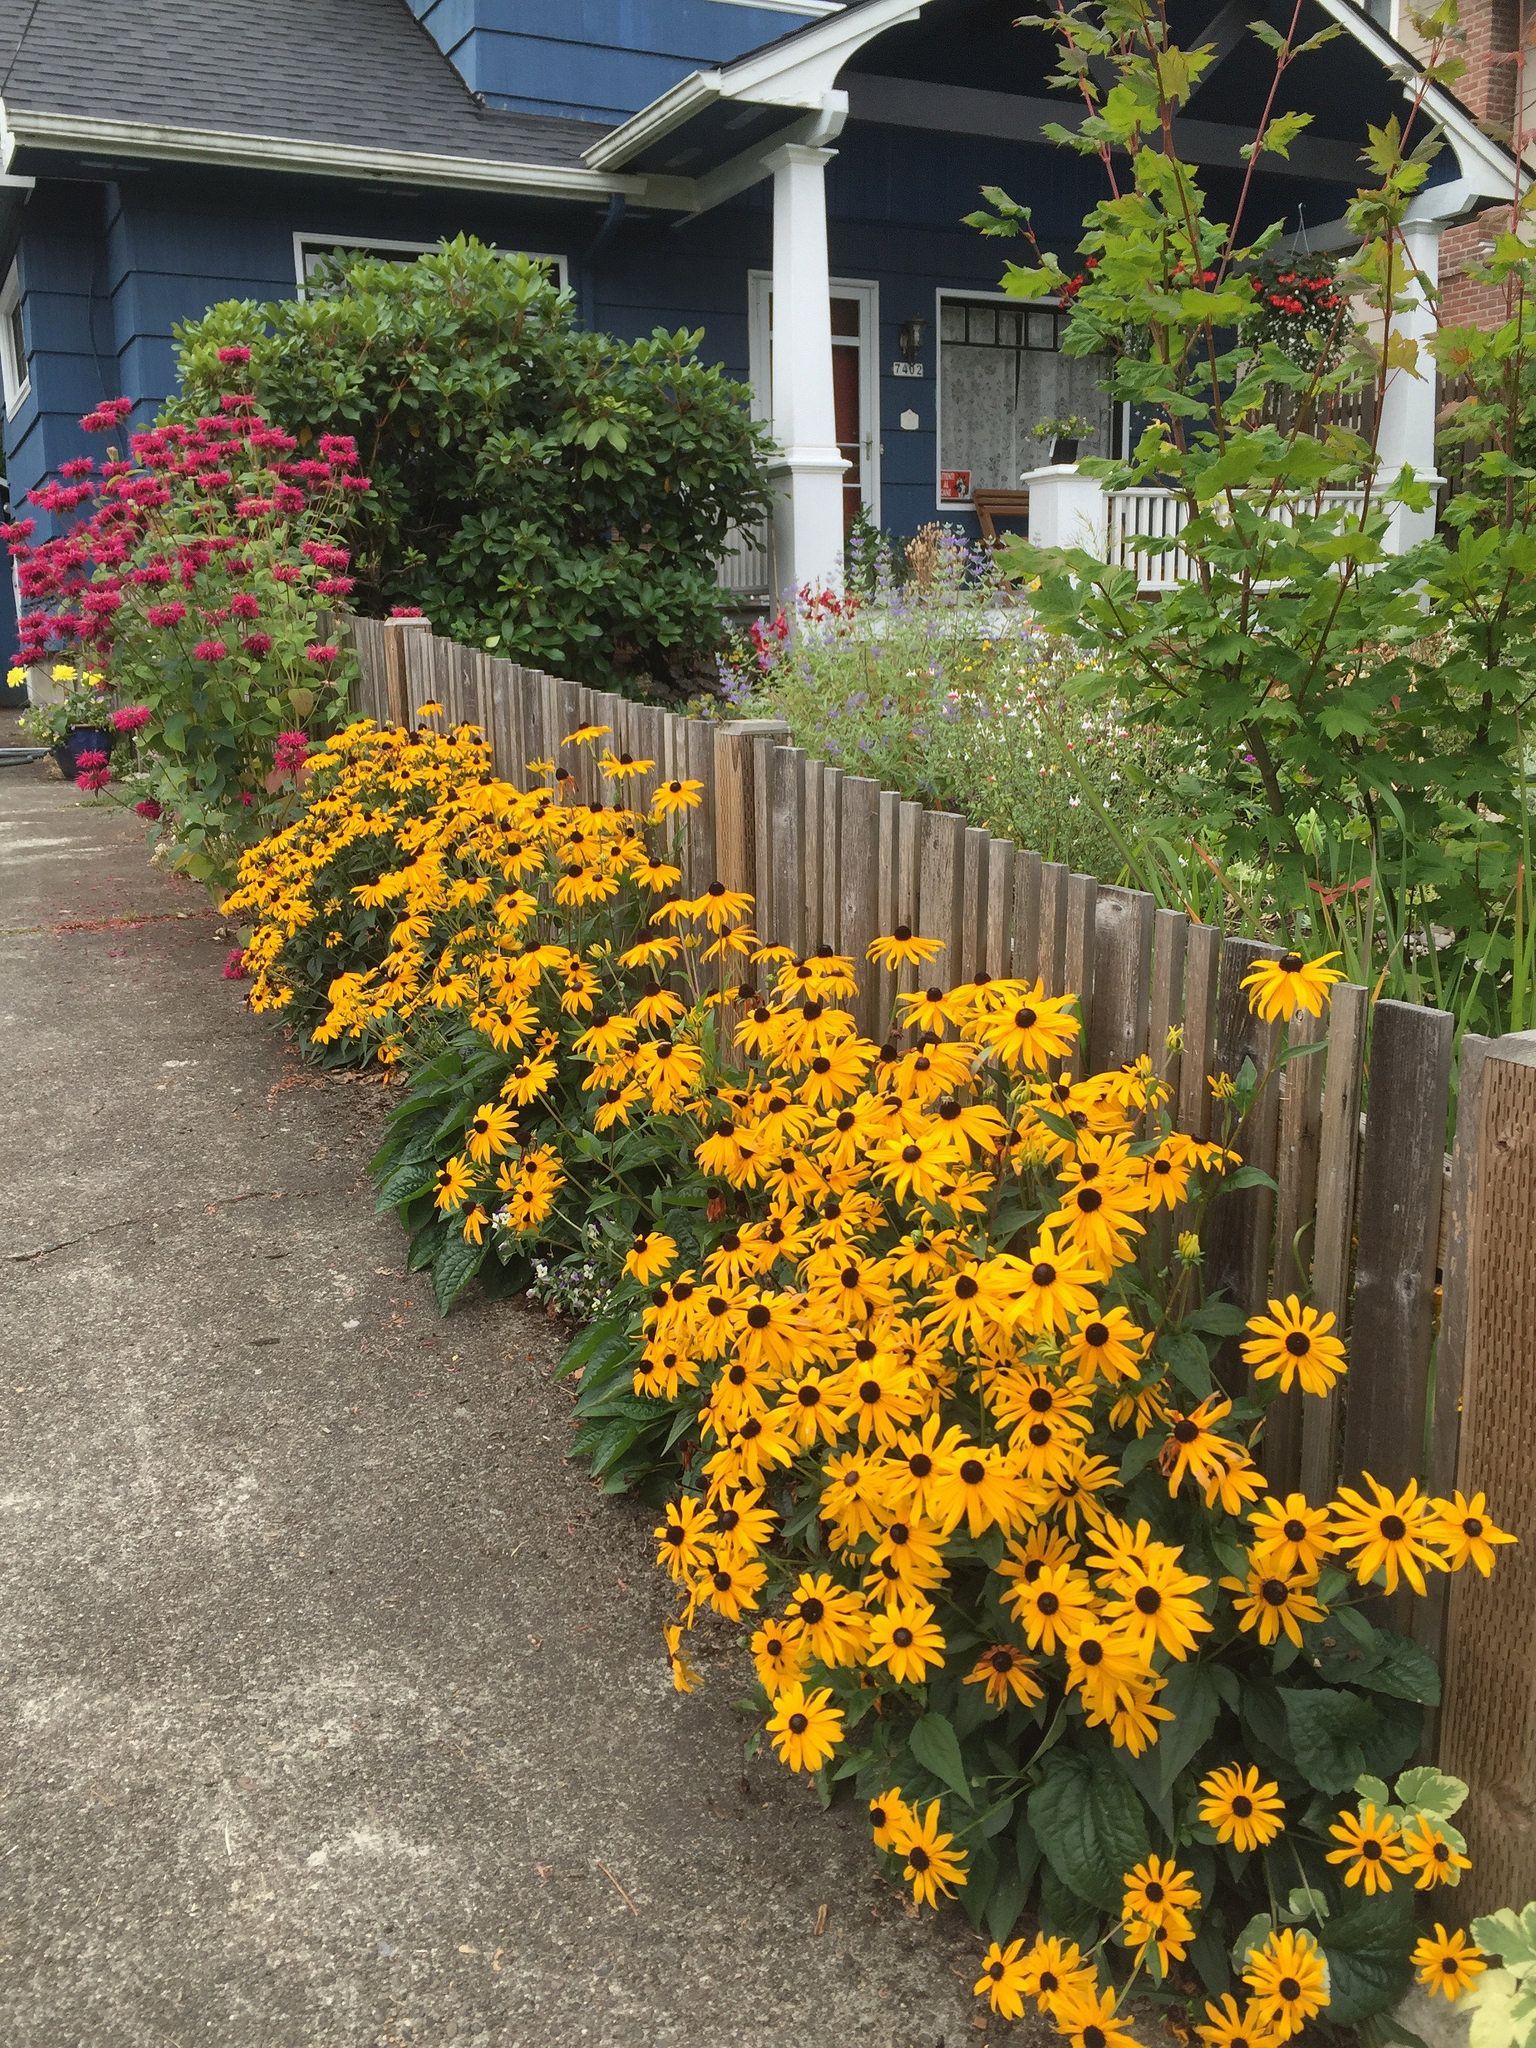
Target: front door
x,y
855,310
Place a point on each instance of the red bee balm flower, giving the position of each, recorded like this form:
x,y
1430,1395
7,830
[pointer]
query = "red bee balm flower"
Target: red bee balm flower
x,y
209,650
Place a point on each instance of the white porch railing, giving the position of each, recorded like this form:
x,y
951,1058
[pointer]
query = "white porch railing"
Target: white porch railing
x,y
745,571
1149,514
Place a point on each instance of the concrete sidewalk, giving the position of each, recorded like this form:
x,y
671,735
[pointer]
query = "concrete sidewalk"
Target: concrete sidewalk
x,y
332,1704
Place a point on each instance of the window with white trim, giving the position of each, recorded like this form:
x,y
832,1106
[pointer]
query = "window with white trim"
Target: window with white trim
x,y
310,251
15,375
1000,372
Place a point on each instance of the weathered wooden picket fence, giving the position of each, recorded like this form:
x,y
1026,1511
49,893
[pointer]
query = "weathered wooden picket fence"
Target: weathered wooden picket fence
x,y
1427,1258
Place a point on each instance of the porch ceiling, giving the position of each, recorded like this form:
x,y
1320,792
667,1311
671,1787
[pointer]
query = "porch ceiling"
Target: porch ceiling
x,y
966,67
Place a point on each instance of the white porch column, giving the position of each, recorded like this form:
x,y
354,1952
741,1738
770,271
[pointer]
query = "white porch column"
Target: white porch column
x,y
1409,399
807,476
1067,509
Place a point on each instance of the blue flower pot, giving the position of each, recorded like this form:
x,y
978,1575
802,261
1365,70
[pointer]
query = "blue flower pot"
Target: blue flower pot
x,y
82,739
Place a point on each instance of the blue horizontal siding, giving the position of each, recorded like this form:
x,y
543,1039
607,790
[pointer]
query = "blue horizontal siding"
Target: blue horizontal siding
x,y
592,57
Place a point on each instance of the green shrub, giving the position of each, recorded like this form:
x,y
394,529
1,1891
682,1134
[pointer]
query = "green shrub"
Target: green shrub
x,y
557,495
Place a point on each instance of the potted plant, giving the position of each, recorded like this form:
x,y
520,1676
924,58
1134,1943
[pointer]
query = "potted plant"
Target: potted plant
x,y
79,722
1064,434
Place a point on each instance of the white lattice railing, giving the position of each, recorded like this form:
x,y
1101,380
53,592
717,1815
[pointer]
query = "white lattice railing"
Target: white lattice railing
x,y
1149,514
745,571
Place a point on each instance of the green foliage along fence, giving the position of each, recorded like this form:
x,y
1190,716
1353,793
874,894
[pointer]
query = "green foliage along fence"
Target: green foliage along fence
x,y
1407,1245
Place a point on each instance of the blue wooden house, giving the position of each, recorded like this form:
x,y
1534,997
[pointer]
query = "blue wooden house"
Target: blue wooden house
x,y
789,175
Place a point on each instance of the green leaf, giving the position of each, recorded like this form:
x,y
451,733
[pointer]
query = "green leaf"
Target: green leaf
x,y
1328,1731
1404,1669
1367,1948
1429,1791
1509,1935
1089,1823
936,1747
455,1265
1254,1935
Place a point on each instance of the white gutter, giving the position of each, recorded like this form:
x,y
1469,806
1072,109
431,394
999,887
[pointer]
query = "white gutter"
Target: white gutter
x,y
21,128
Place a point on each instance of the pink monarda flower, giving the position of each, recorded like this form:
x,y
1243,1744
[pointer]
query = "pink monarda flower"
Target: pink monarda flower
x,y
357,483
322,654
406,611
237,352
244,605
80,465
247,798
166,614
257,644
338,447
287,572
92,779
90,757
209,650
254,508
234,964
130,717
148,808
291,751
335,586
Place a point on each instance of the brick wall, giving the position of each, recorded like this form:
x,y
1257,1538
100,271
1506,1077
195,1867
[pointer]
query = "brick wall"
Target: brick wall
x,y
1463,301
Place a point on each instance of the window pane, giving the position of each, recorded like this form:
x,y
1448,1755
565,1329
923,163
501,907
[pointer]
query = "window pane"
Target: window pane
x,y
981,324
1008,329
845,316
951,320
1042,330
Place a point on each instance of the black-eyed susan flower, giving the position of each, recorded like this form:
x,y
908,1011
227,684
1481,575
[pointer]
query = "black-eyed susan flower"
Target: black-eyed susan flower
x,y
907,1640
1054,1969
1053,1606
1464,1533
1279,988
1372,1848
1290,1536
805,1727
932,1863
1288,1978
1156,1889
903,948
889,1813
1105,1666
831,1618
1001,1982
1432,1857
1386,1534
1230,2025
685,1537
1008,1675
491,1132
454,1183
978,1488
685,1677
675,796
1447,1964
1294,1343
1244,1808
1053,1288
1087,2017
1105,1344
1268,1604
651,1254
779,1656
1154,1601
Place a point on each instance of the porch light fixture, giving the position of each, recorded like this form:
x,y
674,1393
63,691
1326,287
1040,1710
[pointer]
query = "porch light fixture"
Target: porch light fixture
x,y
910,339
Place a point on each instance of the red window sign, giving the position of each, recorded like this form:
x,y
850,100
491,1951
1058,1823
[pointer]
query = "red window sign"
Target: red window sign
x,y
954,486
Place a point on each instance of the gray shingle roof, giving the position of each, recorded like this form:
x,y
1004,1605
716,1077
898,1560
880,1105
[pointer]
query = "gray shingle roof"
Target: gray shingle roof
x,y
362,73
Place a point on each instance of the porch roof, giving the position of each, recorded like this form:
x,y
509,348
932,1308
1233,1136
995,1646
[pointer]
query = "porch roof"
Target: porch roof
x,y
967,67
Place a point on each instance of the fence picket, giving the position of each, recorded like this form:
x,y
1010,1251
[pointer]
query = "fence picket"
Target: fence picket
x,y
1165,1007
1300,1131
909,846
831,843
1122,986
1202,971
974,878
942,860
1402,1172
1051,939
997,954
1338,1157
786,804
857,874
812,808
1238,1235
1027,874
1079,965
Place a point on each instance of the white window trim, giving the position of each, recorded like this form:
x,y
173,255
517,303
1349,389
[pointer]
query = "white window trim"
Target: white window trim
x,y
955,291
867,292
15,376
312,238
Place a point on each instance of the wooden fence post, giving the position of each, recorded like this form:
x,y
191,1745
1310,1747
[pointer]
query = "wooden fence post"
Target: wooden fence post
x,y
395,709
1489,1719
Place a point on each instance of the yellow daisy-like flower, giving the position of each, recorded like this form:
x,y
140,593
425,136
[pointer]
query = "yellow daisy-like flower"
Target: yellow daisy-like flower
x,y
1086,2017
1464,1533
932,1864
685,1678
1294,1343
1289,1980
1002,1979
903,948
1432,1857
1279,988
1372,1849
889,1813
806,1727
1447,1963
1387,1533
1244,1809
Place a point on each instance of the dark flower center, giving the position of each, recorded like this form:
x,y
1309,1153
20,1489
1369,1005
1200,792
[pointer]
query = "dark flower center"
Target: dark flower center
x,y
1001,1660
758,1317
1290,962
1090,1651
1089,1199
973,1472
1294,1531
920,1464
1148,1600
1394,1528
966,1288
812,1610
1096,1334
1043,1275
1298,1343
798,1724
1049,1603
918,1857
902,1638
1185,1432
1274,1592
1242,1806
1288,1987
